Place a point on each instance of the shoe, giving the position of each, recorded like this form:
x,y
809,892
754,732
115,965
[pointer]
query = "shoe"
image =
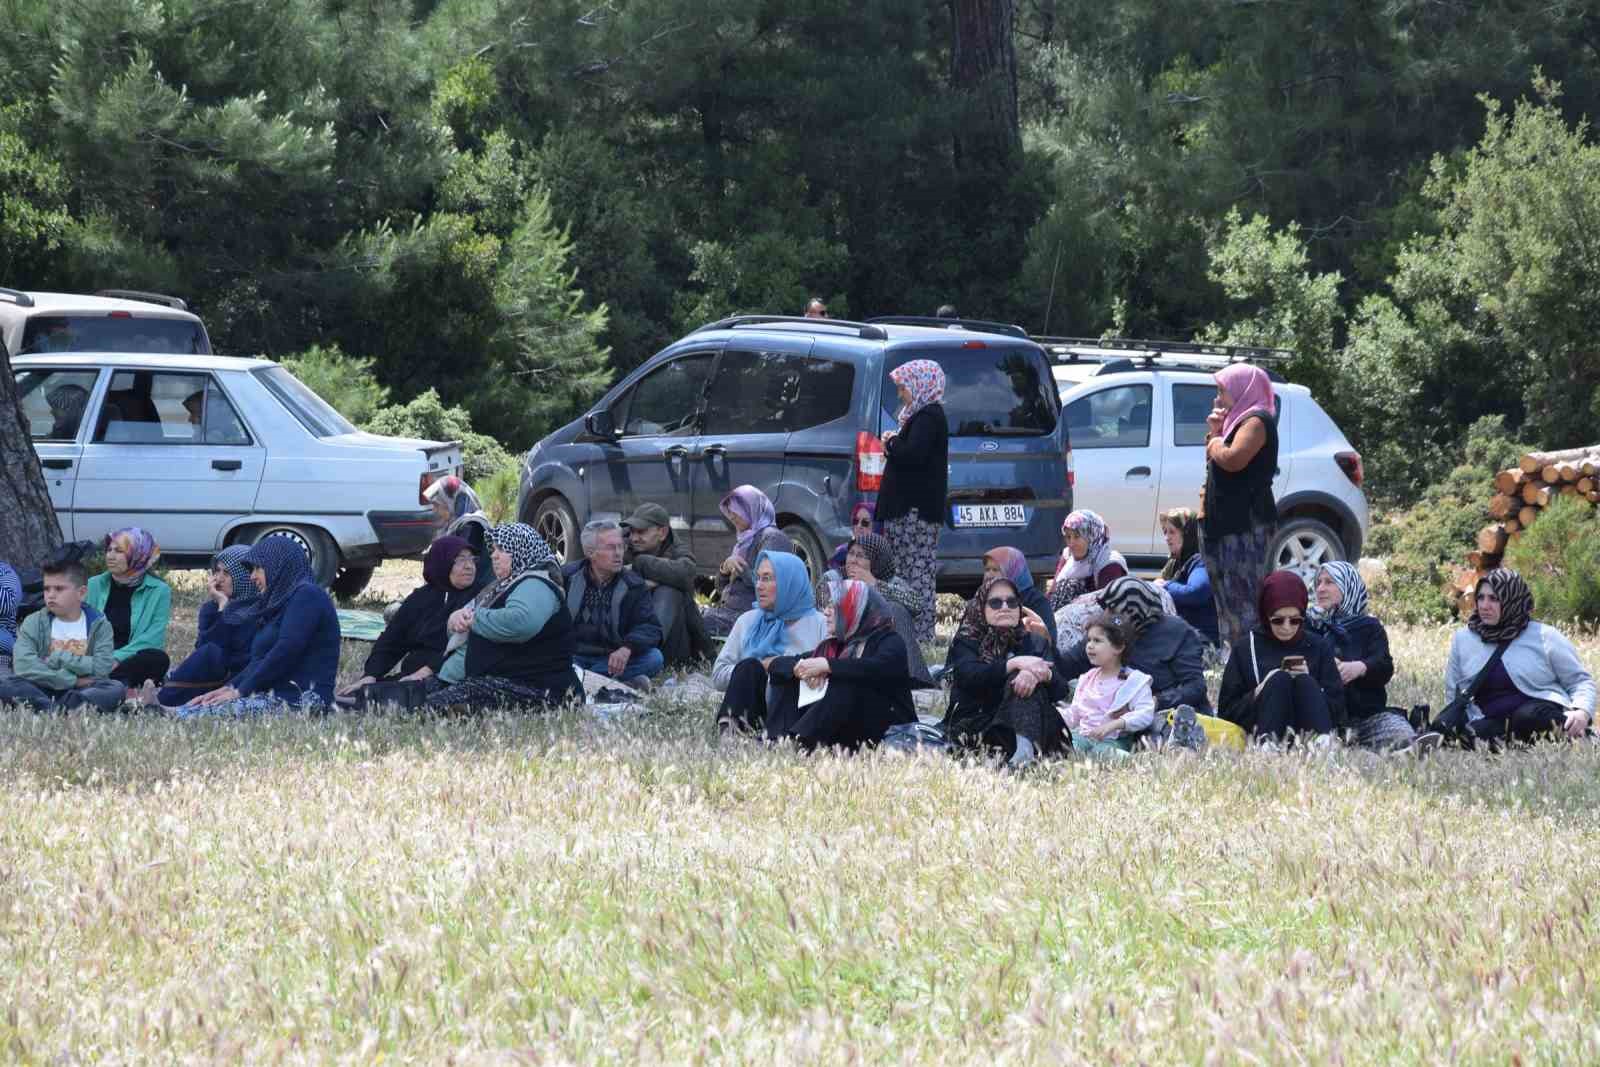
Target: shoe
x,y
1425,743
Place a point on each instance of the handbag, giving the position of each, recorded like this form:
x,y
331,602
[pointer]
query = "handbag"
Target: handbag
x,y
1453,717
401,696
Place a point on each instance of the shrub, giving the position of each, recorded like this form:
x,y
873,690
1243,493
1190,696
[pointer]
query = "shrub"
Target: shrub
x,y
347,382
427,417
1559,558
498,492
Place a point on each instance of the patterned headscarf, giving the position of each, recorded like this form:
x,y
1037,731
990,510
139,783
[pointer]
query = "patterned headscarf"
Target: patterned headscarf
x,y
1134,601
1013,564
924,380
456,494
1093,529
10,597
752,506
140,548
859,612
994,643
529,553
1352,593
1251,391
287,567
795,600
66,408
879,553
441,560
1516,606
245,600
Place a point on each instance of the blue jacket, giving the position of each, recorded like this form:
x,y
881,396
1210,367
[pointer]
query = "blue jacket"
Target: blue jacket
x,y
233,638
295,651
631,621
1190,590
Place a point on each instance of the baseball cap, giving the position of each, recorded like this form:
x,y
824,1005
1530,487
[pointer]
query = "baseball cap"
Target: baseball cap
x,y
648,515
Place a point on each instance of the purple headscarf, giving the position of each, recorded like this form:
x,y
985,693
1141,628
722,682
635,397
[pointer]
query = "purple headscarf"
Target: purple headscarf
x,y
441,557
757,512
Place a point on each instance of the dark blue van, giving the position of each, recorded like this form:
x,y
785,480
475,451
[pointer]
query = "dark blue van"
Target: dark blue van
x,y
795,406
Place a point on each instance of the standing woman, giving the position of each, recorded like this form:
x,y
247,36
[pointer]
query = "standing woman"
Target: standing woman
x,y
1241,517
137,604
751,514
911,503
451,498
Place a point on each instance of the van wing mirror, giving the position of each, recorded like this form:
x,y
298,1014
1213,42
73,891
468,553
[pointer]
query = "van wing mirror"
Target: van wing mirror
x,y
599,424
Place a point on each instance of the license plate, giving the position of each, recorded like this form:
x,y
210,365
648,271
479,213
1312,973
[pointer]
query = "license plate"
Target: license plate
x,y
990,514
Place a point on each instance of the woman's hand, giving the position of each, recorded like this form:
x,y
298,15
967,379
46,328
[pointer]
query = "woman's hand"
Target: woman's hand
x,y
421,674
734,566
1350,670
364,680
1159,583
461,619
813,671
860,572
1577,722
1215,420
1026,663
1034,624
1023,683
1101,732
887,436
215,697
218,597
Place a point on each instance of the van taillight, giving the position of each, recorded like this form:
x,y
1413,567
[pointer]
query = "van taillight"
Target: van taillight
x,y
119,315
1350,463
870,462
1072,475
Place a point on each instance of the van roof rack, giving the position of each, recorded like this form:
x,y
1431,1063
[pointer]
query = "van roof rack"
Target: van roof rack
x,y
176,303
980,325
17,297
1074,349
863,329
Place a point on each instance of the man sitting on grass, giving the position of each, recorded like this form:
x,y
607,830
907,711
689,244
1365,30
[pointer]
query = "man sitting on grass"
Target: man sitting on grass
x,y
614,617
63,655
669,570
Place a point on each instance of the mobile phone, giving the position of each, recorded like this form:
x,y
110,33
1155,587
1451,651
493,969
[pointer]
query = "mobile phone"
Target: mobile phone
x,y
1294,663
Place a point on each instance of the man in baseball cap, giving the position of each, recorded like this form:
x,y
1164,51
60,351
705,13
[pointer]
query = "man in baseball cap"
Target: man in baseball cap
x,y
670,571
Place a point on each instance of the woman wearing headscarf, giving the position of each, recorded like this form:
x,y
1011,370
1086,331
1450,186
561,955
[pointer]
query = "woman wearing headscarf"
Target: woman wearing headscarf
x,y
1539,688
870,560
227,630
755,521
1185,577
413,643
861,669
1006,684
137,604
1241,516
512,645
451,498
912,498
1361,656
1165,647
1009,563
1088,562
861,522
294,658
10,599
784,622
1280,678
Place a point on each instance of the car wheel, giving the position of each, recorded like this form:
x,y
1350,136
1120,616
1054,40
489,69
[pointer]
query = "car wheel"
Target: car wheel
x,y
807,548
317,545
351,581
1303,546
556,523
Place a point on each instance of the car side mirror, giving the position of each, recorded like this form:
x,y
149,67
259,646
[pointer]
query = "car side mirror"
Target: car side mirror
x,y
599,424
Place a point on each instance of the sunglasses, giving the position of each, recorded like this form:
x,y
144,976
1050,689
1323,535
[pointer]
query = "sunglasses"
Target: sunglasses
x,y
863,522
1294,622
1001,603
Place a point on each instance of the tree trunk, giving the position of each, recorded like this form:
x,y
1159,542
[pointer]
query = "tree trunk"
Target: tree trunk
x,y
984,69
28,527
1535,462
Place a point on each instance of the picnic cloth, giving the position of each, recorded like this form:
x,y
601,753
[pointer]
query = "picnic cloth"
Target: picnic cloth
x,y
360,625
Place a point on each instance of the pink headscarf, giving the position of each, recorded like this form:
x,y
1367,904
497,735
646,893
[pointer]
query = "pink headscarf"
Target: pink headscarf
x,y
1251,390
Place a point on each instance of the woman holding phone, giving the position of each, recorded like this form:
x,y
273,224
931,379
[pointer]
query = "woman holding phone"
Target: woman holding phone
x,y
1241,516
1280,679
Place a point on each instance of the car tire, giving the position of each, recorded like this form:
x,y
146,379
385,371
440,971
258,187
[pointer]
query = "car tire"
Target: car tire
x,y
556,523
1303,546
808,548
316,544
351,582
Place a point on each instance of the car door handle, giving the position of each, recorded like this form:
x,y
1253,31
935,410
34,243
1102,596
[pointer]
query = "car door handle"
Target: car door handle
x,y
719,451
56,464
676,452
1139,472
226,464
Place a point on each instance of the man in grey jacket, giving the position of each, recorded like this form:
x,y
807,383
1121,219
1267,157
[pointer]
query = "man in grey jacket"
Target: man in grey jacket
x,y
670,571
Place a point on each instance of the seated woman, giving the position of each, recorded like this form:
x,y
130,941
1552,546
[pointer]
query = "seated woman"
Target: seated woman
x,y
1361,656
753,518
1184,577
1538,689
784,622
1009,563
227,625
413,644
1163,646
869,559
862,669
137,604
473,528
1087,566
1281,679
512,646
1006,685
860,523
294,657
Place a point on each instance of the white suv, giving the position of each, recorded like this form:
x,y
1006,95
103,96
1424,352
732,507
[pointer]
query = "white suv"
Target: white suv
x,y
112,320
1136,415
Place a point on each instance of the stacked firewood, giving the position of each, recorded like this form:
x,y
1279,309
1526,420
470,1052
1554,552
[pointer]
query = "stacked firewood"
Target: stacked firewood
x,y
1519,495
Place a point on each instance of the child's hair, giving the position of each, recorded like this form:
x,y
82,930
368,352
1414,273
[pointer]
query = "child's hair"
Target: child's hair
x,y
1117,632
70,569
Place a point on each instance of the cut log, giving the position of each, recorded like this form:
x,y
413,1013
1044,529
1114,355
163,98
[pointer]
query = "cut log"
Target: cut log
x,y
1512,526
1586,485
1570,472
1483,561
1512,539
1510,481
1590,466
1526,516
1569,490
1492,540
1535,462
1551,474
1537,495
1501,505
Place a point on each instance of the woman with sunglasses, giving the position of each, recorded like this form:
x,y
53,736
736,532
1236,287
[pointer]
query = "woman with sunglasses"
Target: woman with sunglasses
x,y
860,523
1281,679
1006,683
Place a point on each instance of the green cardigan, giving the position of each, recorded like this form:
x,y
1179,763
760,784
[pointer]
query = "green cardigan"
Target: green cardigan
x,y
151,610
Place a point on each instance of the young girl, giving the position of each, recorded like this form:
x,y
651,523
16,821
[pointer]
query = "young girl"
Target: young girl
x,y
1113,703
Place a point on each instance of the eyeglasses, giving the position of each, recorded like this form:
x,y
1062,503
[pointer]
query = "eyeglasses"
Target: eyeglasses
x,y
1293,622
1001,603
864,522
466,559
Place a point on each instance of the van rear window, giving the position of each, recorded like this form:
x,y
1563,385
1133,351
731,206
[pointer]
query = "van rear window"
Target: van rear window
x,y
1000,391
106,333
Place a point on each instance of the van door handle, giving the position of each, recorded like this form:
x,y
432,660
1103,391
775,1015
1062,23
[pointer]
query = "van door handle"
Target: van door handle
x,y
226,464
675,453
1139,472
56,464
716,450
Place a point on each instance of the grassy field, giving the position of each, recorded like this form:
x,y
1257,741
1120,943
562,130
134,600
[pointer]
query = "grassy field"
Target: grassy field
x,y
561,890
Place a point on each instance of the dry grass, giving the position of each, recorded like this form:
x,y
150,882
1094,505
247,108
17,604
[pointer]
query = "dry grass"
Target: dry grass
x,y
558,890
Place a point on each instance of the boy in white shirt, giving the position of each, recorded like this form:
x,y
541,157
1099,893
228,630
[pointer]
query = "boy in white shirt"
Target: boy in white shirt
x,y
63,654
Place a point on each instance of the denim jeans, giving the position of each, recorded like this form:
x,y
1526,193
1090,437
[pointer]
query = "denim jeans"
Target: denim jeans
x,y
643,665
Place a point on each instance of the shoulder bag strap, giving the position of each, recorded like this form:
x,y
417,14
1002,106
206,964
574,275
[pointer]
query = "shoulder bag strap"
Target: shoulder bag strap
x,y
1255,664
1494,657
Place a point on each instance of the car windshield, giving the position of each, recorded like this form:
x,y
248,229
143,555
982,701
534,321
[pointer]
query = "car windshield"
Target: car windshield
x,y
314,413
1000,391
117,332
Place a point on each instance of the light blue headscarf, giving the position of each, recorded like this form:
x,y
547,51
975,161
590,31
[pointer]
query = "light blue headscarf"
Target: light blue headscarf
x,y
795,600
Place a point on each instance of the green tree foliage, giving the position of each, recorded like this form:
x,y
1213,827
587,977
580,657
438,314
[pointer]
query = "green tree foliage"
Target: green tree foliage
x,y
427,418
1559,558
346,382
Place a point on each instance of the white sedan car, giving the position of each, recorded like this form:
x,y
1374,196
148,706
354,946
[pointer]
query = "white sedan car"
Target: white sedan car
x,y
206,451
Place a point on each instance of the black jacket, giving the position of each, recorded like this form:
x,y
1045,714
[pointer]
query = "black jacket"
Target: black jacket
x,y
881,681
1366,640
1236,699
980,688
674,567
1171,652
632,619
918,468
416,636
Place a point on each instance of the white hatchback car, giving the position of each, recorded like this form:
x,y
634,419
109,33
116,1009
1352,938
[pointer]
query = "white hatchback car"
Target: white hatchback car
x,y
1136,415
206,451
